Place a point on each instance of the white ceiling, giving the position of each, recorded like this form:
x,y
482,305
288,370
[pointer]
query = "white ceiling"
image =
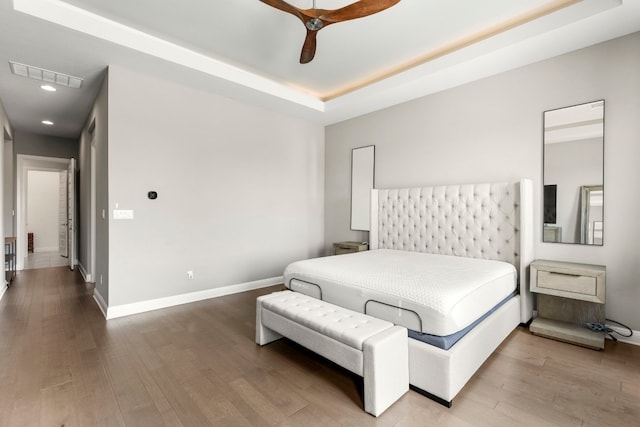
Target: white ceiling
x,y
249,51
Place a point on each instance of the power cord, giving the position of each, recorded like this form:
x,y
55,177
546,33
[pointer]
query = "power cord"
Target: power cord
x,y
600,327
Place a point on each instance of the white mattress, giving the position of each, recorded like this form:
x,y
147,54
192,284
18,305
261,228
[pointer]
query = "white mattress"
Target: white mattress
x,y
429,293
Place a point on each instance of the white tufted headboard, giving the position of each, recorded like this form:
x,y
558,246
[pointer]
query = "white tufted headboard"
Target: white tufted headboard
x,y
490,221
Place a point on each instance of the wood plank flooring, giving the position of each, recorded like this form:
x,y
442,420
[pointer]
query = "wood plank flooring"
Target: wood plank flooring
x,y
44,260
63,364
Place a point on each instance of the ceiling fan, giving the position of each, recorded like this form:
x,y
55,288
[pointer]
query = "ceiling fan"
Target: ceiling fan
x,y
316,19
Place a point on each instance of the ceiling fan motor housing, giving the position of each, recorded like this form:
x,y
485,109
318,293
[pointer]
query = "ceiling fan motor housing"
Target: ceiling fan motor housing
x,y
314,24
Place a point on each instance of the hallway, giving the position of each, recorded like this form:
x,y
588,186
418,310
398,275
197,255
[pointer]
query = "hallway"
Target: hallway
x,y
44,260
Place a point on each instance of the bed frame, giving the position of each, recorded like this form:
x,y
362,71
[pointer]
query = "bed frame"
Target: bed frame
x,y
490,221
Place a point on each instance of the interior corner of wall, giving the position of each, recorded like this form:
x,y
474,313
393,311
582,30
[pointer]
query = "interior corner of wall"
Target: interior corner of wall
x,y
102,304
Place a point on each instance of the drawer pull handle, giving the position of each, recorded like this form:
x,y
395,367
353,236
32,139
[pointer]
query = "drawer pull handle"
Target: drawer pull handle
x,y
565,274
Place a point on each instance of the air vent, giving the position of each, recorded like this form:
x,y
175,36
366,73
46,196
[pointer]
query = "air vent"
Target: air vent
x,y
45,75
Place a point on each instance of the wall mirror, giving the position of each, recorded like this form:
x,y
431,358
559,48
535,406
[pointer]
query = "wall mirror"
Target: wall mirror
x,y
573,174
362,181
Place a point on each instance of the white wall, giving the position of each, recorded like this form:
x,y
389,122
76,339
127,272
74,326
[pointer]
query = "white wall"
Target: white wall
x,y
491,130
99,118
43,202
9,187
35,144
6,133
240,189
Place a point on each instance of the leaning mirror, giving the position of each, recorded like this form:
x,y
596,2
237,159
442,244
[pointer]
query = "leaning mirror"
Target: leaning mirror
x,y
573,174
362,176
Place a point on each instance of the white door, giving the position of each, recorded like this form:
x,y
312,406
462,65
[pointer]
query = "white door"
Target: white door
x,y
71,213
63,230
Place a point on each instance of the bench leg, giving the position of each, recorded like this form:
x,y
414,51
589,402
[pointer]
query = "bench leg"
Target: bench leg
x,y
386,369
264,335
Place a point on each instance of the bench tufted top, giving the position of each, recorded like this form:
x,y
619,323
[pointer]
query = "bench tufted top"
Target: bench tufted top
x,y
345,326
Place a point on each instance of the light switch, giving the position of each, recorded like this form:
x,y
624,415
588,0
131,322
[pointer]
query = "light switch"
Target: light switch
x,y
122,214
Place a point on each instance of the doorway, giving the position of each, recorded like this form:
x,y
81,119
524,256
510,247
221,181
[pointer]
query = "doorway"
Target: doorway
x,y
46,211
26,166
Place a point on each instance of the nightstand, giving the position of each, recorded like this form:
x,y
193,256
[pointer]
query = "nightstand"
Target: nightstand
x,y
569,295
349,247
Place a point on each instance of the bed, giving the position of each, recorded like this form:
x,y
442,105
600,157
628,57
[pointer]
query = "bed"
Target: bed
x,y
448,263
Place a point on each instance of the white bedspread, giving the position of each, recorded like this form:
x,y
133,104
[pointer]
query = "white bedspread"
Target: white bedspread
x,y
447,293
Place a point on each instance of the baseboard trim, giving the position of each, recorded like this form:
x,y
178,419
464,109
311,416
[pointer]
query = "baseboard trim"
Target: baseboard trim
x,y
87,277
156,304
102,304
45,249
633,339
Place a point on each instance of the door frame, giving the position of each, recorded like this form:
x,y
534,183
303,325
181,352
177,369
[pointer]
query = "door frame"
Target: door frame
x,y
72,218
25,163
63,221
91,276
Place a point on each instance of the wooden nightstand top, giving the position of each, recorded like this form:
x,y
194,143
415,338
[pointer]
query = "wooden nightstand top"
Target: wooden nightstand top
x,y
340,248
546,264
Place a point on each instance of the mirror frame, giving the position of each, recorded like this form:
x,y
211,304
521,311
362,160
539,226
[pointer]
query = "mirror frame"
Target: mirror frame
x,y
584,190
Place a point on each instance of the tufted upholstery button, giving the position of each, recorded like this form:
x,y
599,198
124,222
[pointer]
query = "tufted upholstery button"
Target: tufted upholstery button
x,y
441,219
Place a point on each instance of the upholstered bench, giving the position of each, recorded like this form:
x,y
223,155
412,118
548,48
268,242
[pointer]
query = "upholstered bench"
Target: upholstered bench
x,y
372,348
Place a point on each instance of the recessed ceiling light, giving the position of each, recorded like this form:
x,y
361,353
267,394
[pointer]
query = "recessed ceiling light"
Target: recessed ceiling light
x,y
48,88
47,122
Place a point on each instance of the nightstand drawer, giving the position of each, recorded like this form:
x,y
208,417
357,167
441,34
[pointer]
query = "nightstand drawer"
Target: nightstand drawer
x,y
569,280
586,285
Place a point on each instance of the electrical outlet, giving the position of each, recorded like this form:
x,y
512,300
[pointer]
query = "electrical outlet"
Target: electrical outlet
x,y
597,327
190,275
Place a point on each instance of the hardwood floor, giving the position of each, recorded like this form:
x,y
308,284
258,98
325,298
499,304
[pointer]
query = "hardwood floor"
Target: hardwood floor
x,y
44,260
63,364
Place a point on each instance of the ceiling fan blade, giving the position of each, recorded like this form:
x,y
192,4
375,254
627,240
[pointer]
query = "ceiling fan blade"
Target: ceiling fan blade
x,y
309,47
285,7
357,10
